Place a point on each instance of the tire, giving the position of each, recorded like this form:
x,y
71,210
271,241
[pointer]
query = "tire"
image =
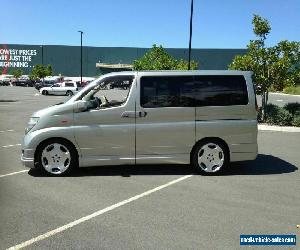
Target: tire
x,y
44,92
210,156
56,157
69,93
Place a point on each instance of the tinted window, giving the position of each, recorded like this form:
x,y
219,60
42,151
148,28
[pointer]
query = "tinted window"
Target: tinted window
x,y
69,84
220,90
166,91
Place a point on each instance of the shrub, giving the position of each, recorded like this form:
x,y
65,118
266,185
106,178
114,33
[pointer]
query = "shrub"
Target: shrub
x,y
296,121
295,90
259,115
289,115
293,108
278,116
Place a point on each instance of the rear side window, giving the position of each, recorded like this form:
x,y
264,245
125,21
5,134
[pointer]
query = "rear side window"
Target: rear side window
x,y
69,84
191,91
167,91
220,90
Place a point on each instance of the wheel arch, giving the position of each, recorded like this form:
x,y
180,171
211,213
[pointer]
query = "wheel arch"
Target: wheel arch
x,y
209,139
69,91
54,138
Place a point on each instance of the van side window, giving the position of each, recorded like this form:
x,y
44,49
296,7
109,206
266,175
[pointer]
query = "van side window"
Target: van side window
x,y
220,90
166,91
109,92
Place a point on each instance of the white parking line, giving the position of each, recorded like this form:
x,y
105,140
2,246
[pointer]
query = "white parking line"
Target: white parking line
x,y
9,130
11,145
13,173
93,215
279,100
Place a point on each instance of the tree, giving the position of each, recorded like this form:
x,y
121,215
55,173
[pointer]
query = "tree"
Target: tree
x,y
39,71
17,73
286,64
273,67
157,58
183,65
48,70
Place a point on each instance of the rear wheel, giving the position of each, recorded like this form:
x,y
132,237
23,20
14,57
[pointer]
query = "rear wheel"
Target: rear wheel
x,y
210,156
44,92
69,93
57,157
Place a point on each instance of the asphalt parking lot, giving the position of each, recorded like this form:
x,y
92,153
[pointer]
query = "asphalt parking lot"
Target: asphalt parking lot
x,y
140,207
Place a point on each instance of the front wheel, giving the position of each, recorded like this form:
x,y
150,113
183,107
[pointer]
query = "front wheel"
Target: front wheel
x,y
210,157
44,92
56,157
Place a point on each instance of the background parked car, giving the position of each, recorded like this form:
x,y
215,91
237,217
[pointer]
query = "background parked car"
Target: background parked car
x,y
7,80
64,88
4,83
84,83
120,84
43,84
48,81
24,81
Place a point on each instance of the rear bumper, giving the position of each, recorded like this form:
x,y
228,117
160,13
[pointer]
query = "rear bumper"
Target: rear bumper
x,y
243,152
243,156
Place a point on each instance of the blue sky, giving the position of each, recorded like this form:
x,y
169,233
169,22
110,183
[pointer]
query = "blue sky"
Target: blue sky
x,y
141,23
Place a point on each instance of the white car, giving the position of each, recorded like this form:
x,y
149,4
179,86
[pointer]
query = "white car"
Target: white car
x,y
64,88
6,79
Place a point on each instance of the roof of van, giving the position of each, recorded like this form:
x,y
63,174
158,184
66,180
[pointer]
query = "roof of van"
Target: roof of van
x,y
184,72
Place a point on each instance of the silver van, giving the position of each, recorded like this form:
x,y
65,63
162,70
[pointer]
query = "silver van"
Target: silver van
x,y
203,118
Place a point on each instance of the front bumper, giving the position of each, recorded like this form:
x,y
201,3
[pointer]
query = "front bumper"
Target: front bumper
x,y
27,158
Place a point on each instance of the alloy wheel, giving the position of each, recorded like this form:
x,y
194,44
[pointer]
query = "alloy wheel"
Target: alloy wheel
x,y
210,157
56,158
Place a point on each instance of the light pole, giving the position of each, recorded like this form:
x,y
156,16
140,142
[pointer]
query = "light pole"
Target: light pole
x,y
191,33
81,32
42,47
42,54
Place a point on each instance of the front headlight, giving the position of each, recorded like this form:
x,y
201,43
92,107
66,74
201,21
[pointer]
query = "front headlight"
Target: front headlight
x,y
32,122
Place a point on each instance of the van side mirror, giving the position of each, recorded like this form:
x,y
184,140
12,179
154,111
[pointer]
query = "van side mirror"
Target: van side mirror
x,y
80,106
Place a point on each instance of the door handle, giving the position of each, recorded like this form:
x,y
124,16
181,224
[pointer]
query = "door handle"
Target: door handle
x,y
142,113
133,114
129,114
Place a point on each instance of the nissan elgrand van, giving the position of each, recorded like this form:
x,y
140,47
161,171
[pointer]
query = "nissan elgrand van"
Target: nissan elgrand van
x,y
203,118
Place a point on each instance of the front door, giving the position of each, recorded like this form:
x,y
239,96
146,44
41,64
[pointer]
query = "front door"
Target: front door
x,y
165,127
105,132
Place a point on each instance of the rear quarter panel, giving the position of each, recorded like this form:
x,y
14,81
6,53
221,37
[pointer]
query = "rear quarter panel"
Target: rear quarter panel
x,y
236,125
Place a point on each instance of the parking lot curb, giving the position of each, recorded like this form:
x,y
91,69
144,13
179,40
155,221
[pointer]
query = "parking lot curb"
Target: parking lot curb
x,y
264,127
277,93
